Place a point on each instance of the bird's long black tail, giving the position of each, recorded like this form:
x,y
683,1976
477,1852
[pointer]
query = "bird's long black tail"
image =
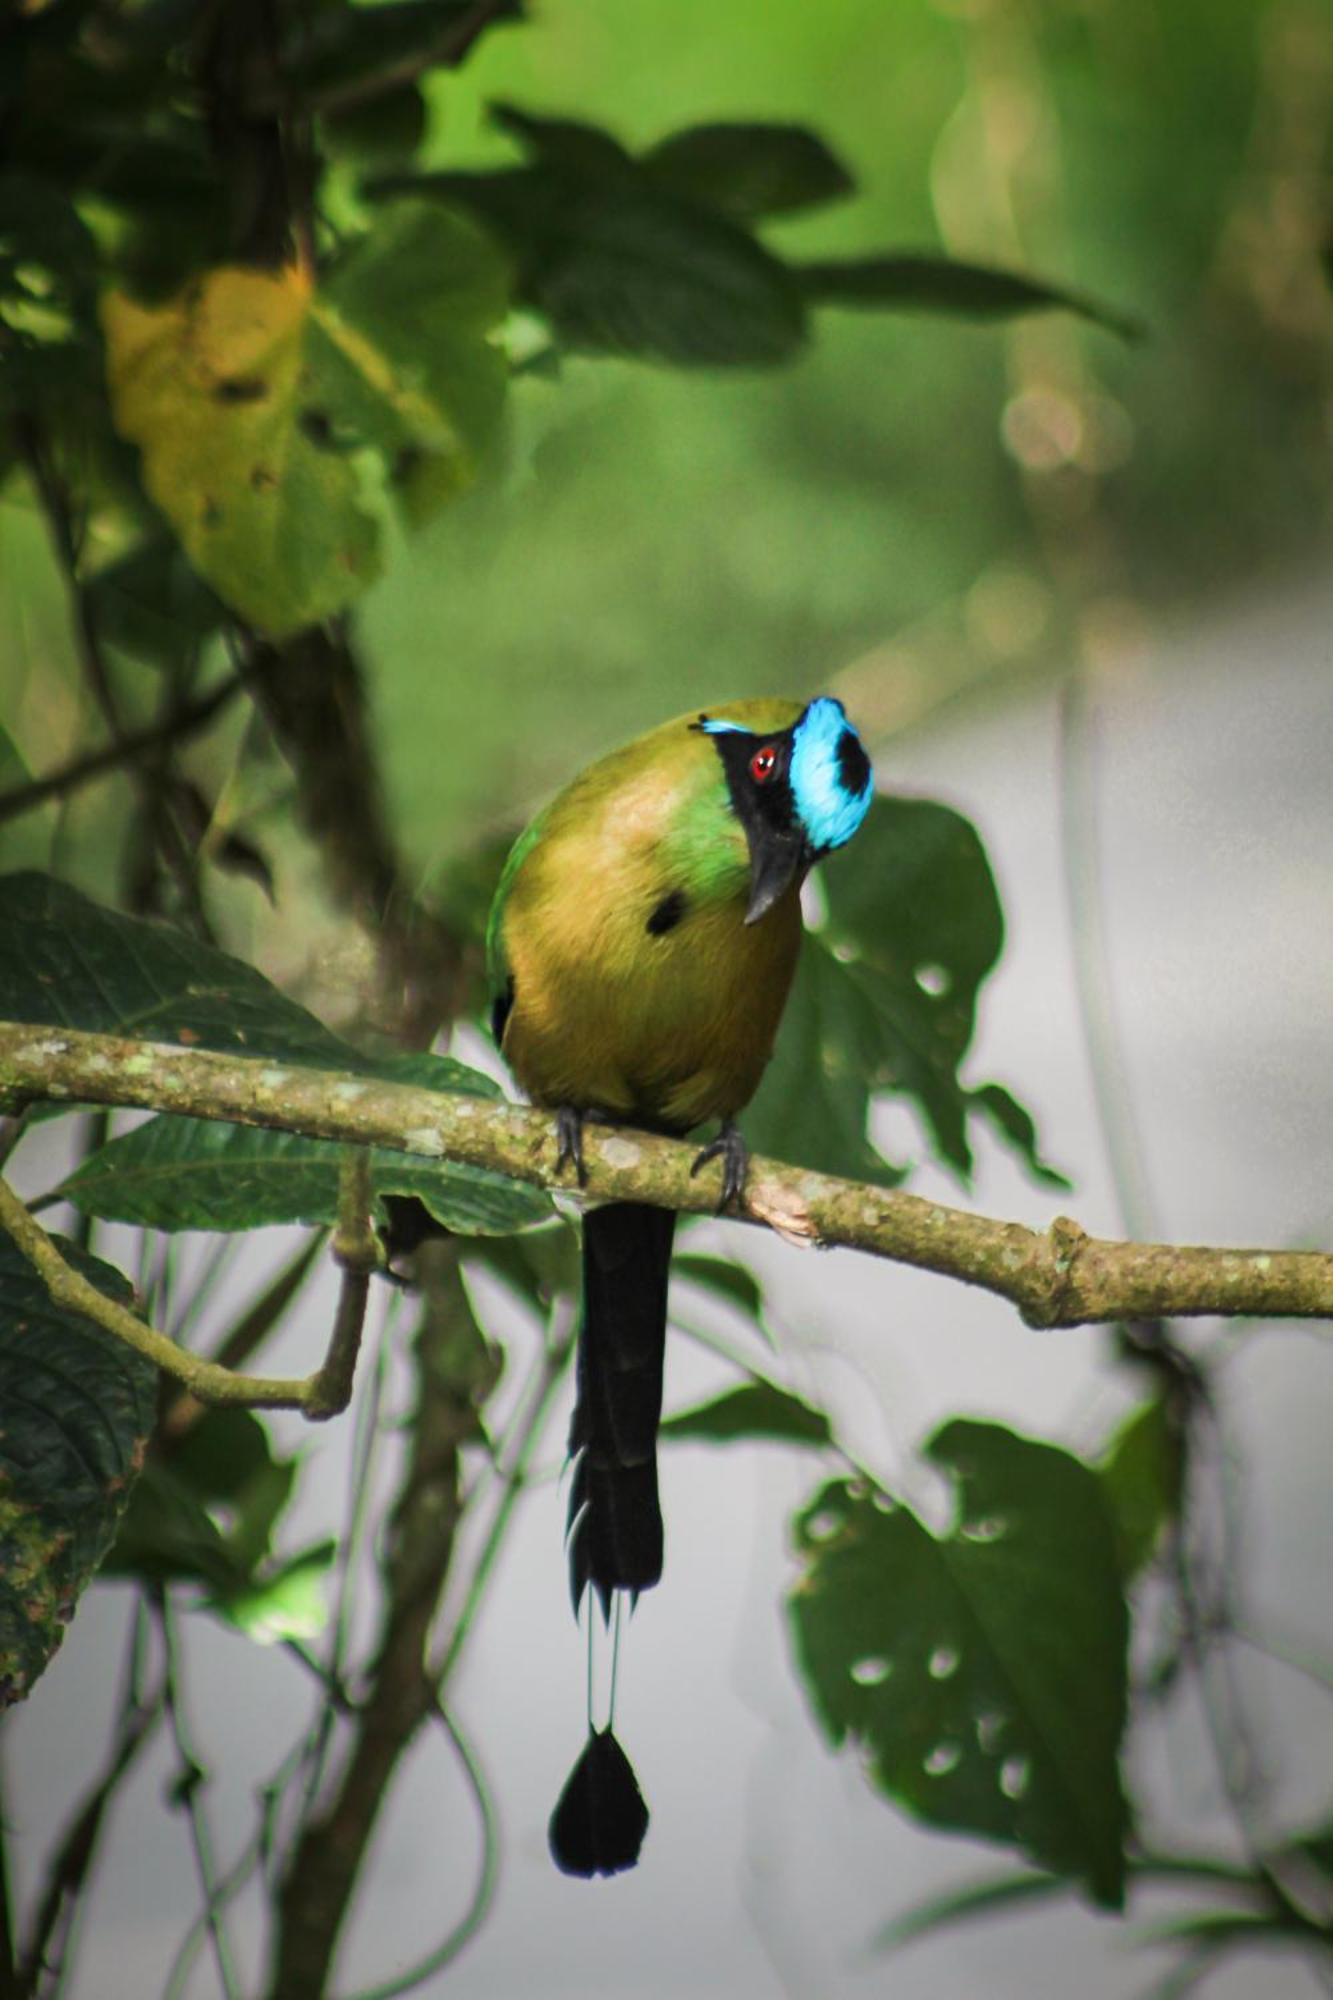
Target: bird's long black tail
x,y
615,1522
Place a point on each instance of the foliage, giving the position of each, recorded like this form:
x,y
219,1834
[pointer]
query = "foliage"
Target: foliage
x,y
79,1408
257,328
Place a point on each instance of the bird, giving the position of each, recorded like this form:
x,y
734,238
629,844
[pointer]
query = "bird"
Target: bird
x,y
640,949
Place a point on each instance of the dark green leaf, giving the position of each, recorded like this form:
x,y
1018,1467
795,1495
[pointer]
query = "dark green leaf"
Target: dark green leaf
x,y
1015,1124
384,132
77,1405
620,266
563,142
186,1173
885,1000
718,1274
749,171
67,962
983,1672
814,1102
1141,1471
168,1536
48,286
353,46
759,1410
152,606
910,282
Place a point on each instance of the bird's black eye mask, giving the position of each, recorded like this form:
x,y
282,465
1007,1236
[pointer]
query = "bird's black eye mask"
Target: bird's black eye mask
x,y
758,773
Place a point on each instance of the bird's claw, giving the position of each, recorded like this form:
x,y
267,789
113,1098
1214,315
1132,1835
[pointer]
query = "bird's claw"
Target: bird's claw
x,y
569,1141
729,1147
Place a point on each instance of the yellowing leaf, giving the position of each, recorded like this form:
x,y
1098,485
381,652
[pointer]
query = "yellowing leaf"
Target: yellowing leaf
x,y
274,415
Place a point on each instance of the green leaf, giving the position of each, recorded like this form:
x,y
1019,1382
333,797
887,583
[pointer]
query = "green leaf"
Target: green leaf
x,y
188,1173
619,265
168,1535
718,1274
1015,1124
273,417
814,1102
77,1406
48,287
563,142
749,171
982,1672
384,132
152,606
226,1460
758,1410
910,282
1141,1471
66,961
885,1001
327,47
291,1603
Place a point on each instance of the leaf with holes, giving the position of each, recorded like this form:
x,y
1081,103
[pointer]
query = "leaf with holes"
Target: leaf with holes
x,y
983,1672
76,1408
814,1103
274,415
885,1002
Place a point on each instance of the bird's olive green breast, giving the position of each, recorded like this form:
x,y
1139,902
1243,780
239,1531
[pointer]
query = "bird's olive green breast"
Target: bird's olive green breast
x,y
637,986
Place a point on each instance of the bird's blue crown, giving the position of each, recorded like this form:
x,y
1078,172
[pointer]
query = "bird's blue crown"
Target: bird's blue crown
x,y
831,779
829,773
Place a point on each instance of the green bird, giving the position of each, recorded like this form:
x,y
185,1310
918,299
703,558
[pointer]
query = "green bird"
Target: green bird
x,y
641,948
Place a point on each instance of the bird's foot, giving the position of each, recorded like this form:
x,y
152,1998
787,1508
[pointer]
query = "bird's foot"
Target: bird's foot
x,y
729,1147
569,1140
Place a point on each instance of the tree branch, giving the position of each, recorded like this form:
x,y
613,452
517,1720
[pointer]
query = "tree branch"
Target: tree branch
x,y
206,1380
1056,1278
127,749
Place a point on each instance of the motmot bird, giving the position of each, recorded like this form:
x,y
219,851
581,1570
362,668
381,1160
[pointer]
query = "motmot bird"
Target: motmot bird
x,y
641,947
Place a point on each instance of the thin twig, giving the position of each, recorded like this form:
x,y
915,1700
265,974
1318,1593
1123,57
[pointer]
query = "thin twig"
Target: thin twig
x,y
42,1963
555,1354
191,1779
483,1892
69,1288
174,728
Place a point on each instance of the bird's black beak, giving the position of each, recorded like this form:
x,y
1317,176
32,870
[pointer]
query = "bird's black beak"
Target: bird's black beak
x,y
776,861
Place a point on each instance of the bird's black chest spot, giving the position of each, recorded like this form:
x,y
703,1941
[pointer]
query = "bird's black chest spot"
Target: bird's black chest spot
x,y
502,1007
667,914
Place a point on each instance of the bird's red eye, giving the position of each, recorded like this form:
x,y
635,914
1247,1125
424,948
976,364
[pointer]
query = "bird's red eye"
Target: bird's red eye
x,y
763,764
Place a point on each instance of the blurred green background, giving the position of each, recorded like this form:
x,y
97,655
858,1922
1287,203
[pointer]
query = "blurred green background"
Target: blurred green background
x,y
917,507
